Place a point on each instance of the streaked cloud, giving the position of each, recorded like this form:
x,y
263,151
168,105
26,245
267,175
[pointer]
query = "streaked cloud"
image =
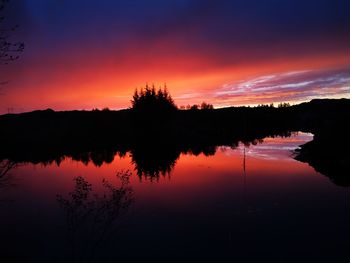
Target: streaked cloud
x,y
291,86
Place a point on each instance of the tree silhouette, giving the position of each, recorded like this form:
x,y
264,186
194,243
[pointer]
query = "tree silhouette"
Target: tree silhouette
x,y
283,105
9,51
5,176
206,106
155,160
150,100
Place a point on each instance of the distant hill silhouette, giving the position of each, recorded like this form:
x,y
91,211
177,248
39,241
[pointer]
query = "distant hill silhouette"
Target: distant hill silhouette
x,y
47,136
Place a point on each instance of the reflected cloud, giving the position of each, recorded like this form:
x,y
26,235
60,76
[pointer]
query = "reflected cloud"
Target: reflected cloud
x,y
272,148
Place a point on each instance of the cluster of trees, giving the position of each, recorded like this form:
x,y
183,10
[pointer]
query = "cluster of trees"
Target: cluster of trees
x,y
283,105
202,106
266,105
151,100
104,109
280,105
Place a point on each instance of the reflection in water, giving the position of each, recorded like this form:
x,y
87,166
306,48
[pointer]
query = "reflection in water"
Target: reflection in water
x,y
328,158
215,208
150,163
155,158
98,158
6,177
151,158
92,219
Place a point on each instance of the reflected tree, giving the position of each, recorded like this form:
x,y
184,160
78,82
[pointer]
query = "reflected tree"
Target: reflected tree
x,y
152,162
5,167
153,154
207,150
156,160
98,157
6,178
327,158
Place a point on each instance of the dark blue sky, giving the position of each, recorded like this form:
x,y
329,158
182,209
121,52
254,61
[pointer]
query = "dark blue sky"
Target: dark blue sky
x,y
253,23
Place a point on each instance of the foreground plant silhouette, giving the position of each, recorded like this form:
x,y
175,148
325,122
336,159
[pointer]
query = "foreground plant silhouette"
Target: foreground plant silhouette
x,y
6,178
92,219
9,51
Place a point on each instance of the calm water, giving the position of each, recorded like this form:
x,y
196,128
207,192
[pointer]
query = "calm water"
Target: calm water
x,y
238,205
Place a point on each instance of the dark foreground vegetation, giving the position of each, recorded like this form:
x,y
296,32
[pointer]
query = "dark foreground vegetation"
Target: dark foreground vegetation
x,y
157,135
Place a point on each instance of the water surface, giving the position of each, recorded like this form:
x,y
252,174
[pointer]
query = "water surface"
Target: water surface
x,y
245,203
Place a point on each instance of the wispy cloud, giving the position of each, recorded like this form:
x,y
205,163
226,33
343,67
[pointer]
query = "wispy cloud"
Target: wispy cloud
x,y
287,86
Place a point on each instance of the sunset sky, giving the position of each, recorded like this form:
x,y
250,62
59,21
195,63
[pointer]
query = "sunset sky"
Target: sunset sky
x,y
93,54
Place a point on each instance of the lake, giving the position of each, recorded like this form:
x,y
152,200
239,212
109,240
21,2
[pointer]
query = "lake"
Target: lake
x,y
244,203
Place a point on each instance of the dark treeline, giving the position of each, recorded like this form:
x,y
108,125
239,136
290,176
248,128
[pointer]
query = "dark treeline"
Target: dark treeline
x,y
156,138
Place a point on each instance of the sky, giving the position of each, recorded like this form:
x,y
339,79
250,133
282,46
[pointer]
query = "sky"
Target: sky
x,y
87,54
